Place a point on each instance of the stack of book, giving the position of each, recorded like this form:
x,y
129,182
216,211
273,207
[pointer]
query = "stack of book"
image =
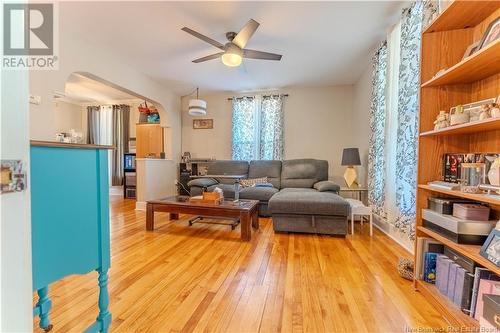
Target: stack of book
x,y
454,282
464,289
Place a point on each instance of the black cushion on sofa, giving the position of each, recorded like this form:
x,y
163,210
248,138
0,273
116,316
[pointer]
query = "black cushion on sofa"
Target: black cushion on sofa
x,y
202,182
308,202
269,169
258,193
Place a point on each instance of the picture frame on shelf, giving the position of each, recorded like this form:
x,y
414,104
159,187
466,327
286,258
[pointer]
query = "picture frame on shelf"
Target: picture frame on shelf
x,y
491,34
475,108
470,50
491,248
203,123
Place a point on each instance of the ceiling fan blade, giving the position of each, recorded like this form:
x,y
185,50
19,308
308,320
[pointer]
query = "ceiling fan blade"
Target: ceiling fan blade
x,y
253,54
204,38
210,57
245,33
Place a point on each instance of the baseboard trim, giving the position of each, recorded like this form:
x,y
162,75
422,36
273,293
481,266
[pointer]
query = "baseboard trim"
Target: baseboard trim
x,y
380,226
140,205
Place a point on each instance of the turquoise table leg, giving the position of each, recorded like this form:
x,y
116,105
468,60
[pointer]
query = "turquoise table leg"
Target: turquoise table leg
x,y
104,317
43,307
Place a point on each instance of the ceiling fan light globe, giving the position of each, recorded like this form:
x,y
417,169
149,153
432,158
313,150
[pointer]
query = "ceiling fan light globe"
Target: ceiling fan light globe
x,y
231,59
197,107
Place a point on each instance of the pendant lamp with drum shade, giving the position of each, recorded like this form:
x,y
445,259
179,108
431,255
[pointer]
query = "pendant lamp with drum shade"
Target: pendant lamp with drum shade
x,y
197,107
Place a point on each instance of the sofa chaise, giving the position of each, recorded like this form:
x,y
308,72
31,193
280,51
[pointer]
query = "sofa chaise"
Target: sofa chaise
x,y
301,199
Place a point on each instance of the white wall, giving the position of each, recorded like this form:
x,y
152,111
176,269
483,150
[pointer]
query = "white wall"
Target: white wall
x,y
67,116
318,124
361,120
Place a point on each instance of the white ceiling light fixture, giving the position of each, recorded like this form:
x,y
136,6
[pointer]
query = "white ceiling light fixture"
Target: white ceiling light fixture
x,y
232,56
197,107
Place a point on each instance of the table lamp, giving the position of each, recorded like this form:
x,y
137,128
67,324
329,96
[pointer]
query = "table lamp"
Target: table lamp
x,y
350,158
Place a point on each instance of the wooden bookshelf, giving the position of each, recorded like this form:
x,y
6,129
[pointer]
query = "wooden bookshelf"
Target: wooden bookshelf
x,y
462,15
464,81
446,307
490,199
470,251
480,65
490,124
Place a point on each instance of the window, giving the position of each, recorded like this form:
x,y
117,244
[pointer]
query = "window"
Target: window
x,y
258,128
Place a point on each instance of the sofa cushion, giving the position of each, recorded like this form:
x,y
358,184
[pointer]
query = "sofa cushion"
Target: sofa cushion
x,y
228,168
269,169
308,202
303,173
258,193
326,185
202,182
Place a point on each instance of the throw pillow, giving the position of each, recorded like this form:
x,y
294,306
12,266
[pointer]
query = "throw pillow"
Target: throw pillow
x,y
253,181
324,186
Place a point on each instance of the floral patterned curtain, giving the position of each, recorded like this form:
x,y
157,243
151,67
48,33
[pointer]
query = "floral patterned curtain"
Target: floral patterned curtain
x,y
403,175
407,132
258,128
271,128
376,153
243,128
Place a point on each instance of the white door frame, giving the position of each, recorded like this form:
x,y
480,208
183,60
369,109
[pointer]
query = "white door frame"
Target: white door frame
x,y
15,224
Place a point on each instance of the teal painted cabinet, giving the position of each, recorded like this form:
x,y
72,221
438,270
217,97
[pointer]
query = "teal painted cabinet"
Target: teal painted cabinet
x,y
69,221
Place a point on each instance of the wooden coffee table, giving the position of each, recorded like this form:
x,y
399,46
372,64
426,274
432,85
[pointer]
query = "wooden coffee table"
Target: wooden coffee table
x,y
246,210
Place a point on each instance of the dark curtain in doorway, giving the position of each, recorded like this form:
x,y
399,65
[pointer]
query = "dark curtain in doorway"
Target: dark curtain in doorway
x,y
93,125
115,132
121,135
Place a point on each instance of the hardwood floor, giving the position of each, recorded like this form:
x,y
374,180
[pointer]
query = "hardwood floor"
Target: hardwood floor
x,y
203,278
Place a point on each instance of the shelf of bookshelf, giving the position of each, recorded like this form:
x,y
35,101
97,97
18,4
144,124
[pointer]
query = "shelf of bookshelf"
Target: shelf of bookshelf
x,y
462,14
477,197
480,65
490,124
470,251
460,319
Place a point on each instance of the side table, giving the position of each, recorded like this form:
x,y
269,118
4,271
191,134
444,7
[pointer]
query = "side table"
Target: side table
x,y
358,208
361,192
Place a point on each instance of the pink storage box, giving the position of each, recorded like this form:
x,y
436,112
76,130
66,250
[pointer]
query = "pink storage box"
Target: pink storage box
x,y
473,212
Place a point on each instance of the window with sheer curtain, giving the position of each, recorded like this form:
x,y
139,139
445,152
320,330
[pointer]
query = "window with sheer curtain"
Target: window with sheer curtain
x,y
394,121
258,128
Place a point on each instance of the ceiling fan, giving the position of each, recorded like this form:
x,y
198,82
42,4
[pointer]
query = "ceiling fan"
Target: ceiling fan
x,y
234,50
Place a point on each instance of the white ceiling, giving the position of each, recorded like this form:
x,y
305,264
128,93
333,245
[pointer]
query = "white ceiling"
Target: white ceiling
x,y
322,43
80,89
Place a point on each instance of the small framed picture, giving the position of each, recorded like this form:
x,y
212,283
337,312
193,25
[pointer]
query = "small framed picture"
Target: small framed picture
x,y
470,50
491,34
491,248
203,123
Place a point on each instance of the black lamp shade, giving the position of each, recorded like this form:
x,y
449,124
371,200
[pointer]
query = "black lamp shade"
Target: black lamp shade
x,y
350,156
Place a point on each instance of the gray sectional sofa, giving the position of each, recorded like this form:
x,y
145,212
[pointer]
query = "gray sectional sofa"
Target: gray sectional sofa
x,y
301,198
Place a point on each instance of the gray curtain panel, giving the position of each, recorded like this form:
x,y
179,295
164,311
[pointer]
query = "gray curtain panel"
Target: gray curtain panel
x,y
93,125
121,135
